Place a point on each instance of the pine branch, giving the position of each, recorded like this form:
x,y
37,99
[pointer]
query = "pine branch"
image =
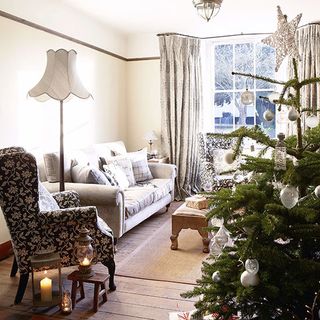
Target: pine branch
x,y
249,75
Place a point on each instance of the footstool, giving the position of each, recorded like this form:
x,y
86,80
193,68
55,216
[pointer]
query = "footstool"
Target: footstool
x,y
189,218
98,279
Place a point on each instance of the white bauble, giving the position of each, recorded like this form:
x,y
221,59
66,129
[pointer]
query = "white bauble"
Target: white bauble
x,y
268,115
252,266
228,157
289,196
216,277
247,97
274,96
293,114
249,279
317,191
207,187
312,121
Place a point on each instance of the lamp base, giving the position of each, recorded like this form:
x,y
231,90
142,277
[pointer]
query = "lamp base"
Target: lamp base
x,y
85,272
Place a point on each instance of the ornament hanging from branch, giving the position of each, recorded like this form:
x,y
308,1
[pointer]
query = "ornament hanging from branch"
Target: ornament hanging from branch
x,y
293,114
283,40
268,115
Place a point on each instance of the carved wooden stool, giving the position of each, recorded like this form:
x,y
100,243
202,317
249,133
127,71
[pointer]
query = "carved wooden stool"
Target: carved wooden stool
x,y
189,218
98,279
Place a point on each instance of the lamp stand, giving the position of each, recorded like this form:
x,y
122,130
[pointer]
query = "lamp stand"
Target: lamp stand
x,y
61,149
150,144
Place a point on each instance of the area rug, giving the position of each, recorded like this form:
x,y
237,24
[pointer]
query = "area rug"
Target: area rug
x,y
154,260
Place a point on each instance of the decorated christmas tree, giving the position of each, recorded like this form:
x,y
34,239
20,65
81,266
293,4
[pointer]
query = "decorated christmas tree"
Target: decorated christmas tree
x,y
265,258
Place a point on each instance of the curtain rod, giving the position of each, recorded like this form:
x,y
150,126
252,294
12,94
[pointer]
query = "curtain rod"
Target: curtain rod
x,y
214,37
228,35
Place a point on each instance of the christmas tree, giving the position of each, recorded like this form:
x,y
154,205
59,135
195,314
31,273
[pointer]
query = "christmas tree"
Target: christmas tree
x,y
272,268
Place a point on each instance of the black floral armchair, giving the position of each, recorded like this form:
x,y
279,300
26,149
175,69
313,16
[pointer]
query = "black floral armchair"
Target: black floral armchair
x,y
33,229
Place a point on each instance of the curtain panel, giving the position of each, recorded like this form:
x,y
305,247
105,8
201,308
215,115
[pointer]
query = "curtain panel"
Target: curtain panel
x,y
181,107
308,42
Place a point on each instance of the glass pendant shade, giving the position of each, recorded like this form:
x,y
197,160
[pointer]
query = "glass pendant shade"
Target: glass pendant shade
x,y
207,8
247,97
280,153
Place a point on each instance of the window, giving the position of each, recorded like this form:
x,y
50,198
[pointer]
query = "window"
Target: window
x,y
228,112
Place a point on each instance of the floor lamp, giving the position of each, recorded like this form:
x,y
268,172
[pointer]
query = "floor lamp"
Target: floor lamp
x,y
60,82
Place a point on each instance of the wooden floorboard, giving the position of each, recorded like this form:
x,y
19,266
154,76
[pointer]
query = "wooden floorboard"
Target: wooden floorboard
x,y
134,299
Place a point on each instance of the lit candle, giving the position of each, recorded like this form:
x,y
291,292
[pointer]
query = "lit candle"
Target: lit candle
x,y
46,289
85,262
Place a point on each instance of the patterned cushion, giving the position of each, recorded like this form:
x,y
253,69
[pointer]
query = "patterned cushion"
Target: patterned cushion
x,y
140,166
125,164
46,200
118,174
87,174
110,175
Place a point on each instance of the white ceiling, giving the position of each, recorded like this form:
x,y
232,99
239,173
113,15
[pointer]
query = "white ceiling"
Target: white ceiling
x,y
157,16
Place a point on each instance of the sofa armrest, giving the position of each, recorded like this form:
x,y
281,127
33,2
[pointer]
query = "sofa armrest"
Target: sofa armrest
x,y
67,199
90,194
163,170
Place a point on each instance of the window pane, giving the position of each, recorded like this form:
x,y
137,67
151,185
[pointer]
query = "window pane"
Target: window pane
x,y
244,56
223,112
223,67
265,65
261,106
244,115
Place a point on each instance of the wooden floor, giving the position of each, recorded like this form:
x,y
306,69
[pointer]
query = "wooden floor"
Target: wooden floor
x,y
134,298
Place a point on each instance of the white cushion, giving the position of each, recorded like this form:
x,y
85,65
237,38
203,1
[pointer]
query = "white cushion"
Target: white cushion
x,y
46,201
87,174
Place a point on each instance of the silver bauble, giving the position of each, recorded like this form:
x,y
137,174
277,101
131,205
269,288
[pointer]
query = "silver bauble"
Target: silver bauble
x,y
293,114
216,277
312,121
268,115
289,196
247,97
317,191
249,279
252,266
228,157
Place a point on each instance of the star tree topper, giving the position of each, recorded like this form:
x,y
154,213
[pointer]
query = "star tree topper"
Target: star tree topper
x,y
283,40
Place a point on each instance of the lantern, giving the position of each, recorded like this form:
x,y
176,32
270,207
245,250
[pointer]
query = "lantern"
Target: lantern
x,y
280,153
84,253
46,279
66,302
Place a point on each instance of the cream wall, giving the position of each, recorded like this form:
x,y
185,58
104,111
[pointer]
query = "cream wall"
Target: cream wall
x,y
143,102
35,125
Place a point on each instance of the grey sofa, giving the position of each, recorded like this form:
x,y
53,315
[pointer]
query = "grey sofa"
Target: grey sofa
x,y
122,209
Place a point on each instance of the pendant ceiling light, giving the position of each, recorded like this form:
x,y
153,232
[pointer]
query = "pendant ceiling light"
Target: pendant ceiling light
x,y
207,8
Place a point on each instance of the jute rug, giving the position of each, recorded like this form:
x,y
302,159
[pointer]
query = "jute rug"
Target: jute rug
x,y
154,260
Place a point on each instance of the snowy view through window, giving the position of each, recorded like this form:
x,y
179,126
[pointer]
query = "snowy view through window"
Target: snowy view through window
x,y
229,112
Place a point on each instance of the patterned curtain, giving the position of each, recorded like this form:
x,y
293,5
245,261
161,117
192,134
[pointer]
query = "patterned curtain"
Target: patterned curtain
x,y
308,41
181,111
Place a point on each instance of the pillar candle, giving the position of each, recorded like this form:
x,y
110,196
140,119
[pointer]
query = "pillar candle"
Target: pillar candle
x,y
46,289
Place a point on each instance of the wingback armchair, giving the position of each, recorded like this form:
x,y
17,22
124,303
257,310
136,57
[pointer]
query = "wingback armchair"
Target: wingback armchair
x,y
211,150
36,223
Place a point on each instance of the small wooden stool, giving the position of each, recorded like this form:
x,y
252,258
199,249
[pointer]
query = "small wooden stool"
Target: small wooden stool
x,y
98,279
189,218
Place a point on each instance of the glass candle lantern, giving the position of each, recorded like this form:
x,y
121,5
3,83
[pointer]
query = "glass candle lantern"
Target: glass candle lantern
x,y
280,153
66,303
46,279
84,253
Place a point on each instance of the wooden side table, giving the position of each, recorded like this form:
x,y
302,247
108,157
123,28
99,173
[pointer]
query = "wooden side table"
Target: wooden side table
x,y
98,279
189,218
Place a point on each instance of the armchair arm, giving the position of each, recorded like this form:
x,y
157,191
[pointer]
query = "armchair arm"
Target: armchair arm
x,y
60,229
67,199
163,170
